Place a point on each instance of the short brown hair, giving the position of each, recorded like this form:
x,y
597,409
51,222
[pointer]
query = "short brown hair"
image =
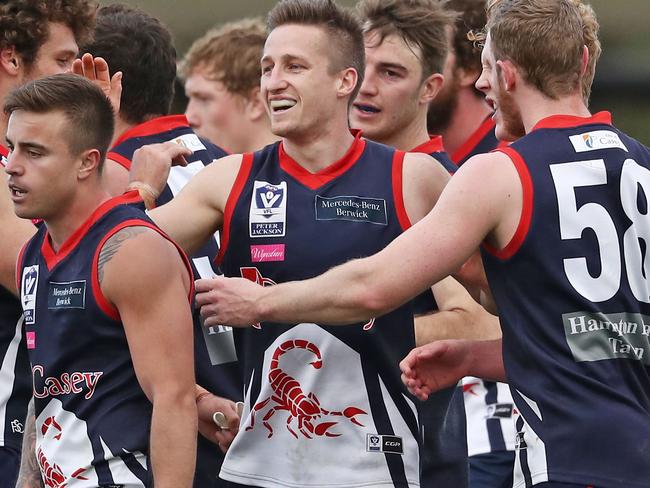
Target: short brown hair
x,y
24,23
229,54
544,38
420,23
341,26
88,112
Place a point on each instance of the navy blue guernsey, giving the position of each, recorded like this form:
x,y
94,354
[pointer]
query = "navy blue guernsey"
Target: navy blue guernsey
x,y
444,452
92,417
326,404
214,349
15,378
489,408
573,295
482,140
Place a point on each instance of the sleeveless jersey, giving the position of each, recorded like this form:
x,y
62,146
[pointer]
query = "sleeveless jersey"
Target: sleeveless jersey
x,y
444,452
15,377
573,295
482,140
489,408
324,405
92,417
215,359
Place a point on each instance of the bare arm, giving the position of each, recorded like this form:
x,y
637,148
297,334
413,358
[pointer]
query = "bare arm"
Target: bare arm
x,y
29,475
458,317
197,211
482,200
142,274
15,232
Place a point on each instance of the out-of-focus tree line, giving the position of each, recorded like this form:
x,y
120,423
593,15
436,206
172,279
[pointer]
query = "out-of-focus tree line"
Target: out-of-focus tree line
x,y
622,77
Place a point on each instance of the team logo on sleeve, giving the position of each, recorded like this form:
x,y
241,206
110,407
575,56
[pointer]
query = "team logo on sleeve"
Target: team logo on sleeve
x,y
268,211
28,286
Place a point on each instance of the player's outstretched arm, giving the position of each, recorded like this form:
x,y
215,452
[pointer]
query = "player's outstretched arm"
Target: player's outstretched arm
x,y
197,211
482,199
143,276
442,364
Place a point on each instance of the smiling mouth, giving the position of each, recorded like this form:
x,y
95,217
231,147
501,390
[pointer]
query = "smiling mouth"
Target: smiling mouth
x,y
279,106
366,109
16,191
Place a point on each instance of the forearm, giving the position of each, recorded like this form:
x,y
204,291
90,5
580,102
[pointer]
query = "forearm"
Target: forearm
x,y
487,360
456,324
173,440
343,295
29,475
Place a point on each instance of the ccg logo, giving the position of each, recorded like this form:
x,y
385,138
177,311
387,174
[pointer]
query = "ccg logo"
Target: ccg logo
x,y
28,287
390,444
268,211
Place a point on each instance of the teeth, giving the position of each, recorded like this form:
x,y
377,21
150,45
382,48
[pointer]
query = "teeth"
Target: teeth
x,y
368,109
282,104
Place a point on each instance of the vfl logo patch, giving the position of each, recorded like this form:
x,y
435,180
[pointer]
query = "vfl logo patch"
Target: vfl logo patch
x,y
268,212
598,139
384,443
28,287
355,209
190,141
71,294
267,253
520,442
500,411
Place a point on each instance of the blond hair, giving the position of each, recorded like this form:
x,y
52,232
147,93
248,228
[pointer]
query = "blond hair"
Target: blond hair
x,y
229,54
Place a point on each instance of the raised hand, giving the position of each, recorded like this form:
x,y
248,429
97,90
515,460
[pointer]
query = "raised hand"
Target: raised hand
x,y
97,71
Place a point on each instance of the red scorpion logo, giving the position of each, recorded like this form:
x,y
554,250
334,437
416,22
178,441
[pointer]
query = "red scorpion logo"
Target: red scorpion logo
x,y
53,476
289,396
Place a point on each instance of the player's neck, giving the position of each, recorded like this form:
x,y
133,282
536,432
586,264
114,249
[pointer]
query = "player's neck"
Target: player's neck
x,y
468,116
318,150
410,136
68,220
535,106
121,126
261,137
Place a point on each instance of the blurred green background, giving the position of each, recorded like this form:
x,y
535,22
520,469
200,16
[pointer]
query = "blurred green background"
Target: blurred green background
x,y
622,76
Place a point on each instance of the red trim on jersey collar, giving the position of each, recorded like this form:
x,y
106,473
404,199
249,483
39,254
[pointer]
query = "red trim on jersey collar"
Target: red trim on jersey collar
x,y
325,175
567,121
526,208
52,257
472,141
119,159
434,144
153,126
398,194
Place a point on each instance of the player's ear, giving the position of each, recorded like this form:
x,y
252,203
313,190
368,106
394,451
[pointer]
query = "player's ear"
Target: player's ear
x,y
508,73
10,60
88,163
431,87
347,82
254,104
